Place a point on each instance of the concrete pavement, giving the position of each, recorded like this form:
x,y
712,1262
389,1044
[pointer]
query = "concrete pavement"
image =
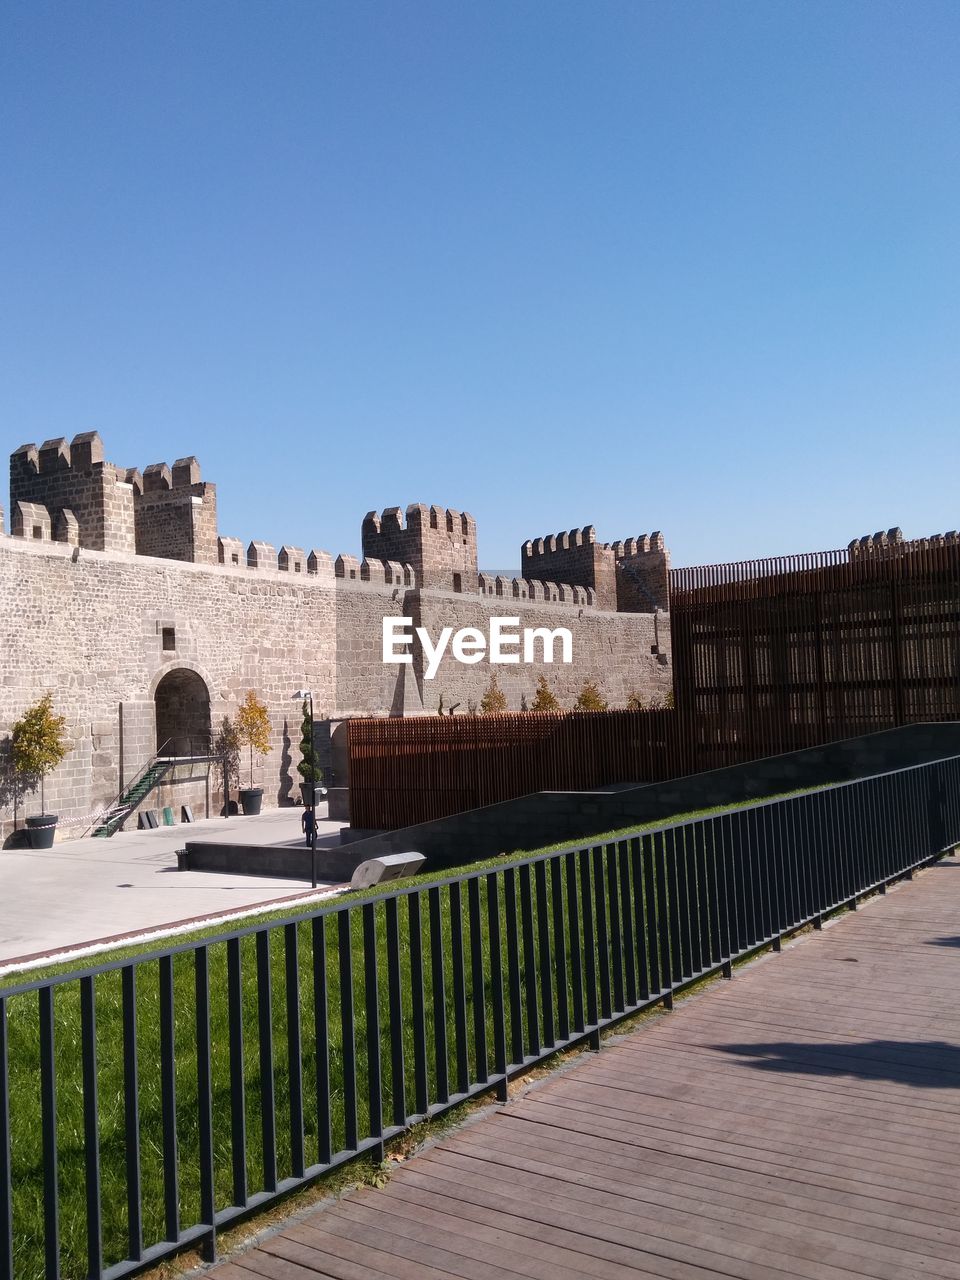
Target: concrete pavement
x,y
83,892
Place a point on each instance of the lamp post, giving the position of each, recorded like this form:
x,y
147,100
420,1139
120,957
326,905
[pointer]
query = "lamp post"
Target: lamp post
x,y
300,695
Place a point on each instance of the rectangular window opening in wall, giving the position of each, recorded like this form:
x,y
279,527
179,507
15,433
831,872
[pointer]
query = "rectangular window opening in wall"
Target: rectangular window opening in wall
x,y
38,531
235,558
457,582
168,639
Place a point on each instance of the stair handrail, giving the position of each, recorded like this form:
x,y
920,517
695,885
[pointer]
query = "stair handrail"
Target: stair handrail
x,y
128,786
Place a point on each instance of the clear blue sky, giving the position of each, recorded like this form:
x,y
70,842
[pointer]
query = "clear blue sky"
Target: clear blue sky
x,y
688,266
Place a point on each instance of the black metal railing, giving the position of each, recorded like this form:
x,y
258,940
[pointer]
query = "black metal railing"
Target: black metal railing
x,y
148,1102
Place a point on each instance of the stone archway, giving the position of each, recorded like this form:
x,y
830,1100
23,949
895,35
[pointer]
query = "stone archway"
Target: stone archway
x,y
182,703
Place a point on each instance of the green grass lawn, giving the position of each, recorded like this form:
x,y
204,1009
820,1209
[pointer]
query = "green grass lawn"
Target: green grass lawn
x,y
459,943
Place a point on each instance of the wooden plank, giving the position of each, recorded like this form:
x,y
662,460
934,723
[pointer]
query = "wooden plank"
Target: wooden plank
x,y
703,1117
842,1117
267,1263
740,1151
581,1236
809,1239
689,1185
818,1185
324,1237
513,1237
814,1256
459,1254
679,1053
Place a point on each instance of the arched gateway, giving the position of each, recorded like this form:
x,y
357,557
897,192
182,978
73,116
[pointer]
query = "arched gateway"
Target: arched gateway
x,y
182,703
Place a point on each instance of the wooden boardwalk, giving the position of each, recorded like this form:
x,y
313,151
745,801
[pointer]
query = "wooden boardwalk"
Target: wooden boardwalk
x,y
802,1120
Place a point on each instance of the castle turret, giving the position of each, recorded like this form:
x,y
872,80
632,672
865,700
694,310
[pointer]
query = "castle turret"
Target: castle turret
x,y
575,558
628,577
75,478
439,543
176,513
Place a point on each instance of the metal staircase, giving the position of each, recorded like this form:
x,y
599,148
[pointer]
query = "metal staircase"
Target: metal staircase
x,y
133,795
147,780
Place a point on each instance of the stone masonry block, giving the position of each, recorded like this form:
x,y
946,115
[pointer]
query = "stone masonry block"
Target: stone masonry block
x,y
156,477
186,471
30,520
261,555
86,449
54,456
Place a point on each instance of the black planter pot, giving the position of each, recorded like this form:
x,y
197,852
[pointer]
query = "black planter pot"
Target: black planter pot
x,y
250,799
319,793
41,829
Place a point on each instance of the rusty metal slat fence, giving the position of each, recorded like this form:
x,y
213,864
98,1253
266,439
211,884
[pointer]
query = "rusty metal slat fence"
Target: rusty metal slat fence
x,y
777,655
404,771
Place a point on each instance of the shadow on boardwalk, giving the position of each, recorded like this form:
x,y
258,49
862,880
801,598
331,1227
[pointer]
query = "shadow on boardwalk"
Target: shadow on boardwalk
x,y
927,1064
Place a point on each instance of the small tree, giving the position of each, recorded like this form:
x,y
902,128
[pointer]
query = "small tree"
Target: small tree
x,y
494,700
523,702
635,702
308,768
253,727
590,698
545,699
39,743
226,745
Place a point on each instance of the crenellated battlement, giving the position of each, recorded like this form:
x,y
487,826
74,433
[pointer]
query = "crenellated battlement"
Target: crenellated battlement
x,y
176,512
630,576
891,543
538,547
259,556
535,590
65,491
440,543
880,543
73,477
291,559
162,511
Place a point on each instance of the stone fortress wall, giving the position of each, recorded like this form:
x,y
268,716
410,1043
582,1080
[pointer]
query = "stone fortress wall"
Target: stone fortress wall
x,y
118,595
890,543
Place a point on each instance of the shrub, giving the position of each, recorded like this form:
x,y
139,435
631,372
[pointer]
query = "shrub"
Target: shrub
x,y
308,768
253,727
38,743
494,700
590,698
227,745
545,699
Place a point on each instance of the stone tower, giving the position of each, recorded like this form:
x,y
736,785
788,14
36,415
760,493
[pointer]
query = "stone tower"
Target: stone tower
x,y
439,543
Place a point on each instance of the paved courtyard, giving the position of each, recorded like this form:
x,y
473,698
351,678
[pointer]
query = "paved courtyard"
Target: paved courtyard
x,y
81,892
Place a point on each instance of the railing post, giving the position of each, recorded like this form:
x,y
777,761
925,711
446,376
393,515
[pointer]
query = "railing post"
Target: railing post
x,y
6,1170
208,1245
